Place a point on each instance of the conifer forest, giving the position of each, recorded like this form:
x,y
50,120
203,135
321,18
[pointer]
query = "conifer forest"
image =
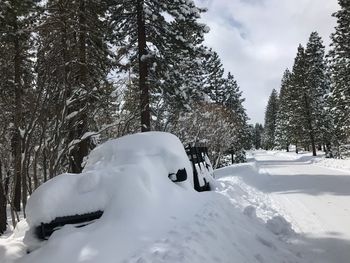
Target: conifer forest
x,y
312,108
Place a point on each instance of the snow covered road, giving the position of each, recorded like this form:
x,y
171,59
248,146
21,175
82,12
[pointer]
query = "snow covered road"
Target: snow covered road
x,y
315,199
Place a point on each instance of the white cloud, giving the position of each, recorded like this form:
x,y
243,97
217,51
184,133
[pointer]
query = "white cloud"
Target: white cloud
x,y
258,39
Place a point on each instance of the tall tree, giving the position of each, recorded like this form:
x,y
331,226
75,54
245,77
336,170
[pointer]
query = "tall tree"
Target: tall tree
x,y
270,120
258,130
284,114
73,64
152,34
339,57
214,83
231,98
299,100
317,86
15,40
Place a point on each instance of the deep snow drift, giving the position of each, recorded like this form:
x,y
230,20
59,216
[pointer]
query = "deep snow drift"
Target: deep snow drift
x,y
148,218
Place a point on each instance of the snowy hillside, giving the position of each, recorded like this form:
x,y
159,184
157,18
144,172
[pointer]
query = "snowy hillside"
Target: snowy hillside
x,y
155,220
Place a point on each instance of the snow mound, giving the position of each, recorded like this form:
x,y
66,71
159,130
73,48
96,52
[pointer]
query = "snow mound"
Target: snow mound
x,y
279,226
126,171
339,164
13,248
250,211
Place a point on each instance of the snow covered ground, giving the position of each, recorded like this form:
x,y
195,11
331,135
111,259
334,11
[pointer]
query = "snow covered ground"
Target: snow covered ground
x,y
279,207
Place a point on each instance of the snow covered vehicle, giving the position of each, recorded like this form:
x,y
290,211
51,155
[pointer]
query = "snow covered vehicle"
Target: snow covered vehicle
x,y
126,172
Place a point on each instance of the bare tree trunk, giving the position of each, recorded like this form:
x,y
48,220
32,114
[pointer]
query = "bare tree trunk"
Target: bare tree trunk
x,y
3,215
82,149
143,69
24,187
309,121
35,167
217,161
17,140
44,164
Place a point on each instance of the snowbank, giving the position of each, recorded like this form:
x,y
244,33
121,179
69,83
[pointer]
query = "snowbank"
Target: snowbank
x,y
339,164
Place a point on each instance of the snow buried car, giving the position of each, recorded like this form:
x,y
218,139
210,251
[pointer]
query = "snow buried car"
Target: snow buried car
x,y
125,176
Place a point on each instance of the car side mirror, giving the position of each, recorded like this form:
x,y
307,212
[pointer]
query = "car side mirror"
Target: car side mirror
x,y
180,176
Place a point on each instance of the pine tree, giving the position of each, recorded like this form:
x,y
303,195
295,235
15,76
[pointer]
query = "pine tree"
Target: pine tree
x,y
232,99
283,133
317,86
73,64
299,125
155,36
258,130
215,78
16,81
339,57
270,121
302,118
183,87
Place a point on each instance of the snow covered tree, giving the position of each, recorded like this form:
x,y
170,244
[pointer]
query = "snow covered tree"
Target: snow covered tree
x,y
16,81
299,100
215,78
270,121
183,87
154,36
231,98
258,130
73,64
339,57
317,86
302,117
283,133
210,124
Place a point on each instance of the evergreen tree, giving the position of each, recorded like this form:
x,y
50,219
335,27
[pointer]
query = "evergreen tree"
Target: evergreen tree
x,y
317,86
183,87
302,117
339,57
258,130
73,64
284,114
155,36
232,99
270,121
16,81
299,125
214,81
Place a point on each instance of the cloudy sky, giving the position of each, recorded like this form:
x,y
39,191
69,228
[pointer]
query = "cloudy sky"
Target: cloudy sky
x,y
258,39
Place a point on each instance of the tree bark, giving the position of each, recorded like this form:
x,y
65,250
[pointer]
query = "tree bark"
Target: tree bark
x,y
143,69
82,149
3,215
17,140
309,121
